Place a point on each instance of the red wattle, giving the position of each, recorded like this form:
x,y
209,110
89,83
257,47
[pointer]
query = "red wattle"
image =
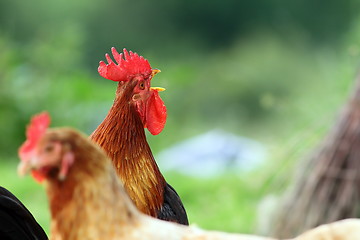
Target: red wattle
x,y
37,176
155,113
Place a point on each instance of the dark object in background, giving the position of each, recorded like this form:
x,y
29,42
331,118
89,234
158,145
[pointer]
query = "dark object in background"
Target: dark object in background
x,y
328,188
16,222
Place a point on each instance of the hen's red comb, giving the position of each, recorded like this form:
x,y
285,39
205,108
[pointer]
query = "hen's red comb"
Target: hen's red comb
x,y
128,65
36,129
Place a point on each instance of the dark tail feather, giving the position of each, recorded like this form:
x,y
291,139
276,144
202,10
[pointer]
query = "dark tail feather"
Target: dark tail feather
x,y
172,210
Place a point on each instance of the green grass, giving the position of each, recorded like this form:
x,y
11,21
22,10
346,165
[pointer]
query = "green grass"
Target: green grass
x,y
226,202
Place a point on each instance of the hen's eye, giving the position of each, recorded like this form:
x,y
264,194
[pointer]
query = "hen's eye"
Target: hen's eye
x,y
142,85
49,148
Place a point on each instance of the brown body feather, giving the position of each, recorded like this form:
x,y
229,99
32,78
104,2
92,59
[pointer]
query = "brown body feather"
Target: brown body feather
x,y
77,203
122,136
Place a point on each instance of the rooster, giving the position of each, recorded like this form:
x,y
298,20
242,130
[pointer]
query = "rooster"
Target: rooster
x,y
122,136
88,201
16,221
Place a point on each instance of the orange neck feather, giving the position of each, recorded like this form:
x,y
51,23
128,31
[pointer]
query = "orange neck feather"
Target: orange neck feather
x,y
122,136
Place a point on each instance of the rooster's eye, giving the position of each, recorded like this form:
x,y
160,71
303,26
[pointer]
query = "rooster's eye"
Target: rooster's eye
x,y
142,85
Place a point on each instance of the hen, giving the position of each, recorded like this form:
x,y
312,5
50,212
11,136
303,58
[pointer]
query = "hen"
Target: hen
x,y
88,201
16,221
122,136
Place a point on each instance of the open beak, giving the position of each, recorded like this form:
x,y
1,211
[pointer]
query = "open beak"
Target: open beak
x,y
153,73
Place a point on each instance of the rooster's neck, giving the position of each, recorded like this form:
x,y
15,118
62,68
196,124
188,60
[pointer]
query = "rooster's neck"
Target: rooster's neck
x,y
122,136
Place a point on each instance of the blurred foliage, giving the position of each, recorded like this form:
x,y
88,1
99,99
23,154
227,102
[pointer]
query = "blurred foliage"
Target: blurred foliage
x,y
276,71
242,63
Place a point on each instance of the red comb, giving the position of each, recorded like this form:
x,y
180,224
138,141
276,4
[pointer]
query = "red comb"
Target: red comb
x,y
128,65
36,129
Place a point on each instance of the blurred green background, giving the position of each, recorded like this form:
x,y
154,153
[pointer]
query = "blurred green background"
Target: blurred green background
x,y
275,71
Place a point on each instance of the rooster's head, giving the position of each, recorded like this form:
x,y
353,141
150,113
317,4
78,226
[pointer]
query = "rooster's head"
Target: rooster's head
x,y
131,69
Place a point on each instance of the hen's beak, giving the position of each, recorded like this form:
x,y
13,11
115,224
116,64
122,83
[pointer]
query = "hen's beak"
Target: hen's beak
x,y
25,167
154,72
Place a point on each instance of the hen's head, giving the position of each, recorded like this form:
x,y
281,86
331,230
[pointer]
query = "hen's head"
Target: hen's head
x,y
131,69
47,153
